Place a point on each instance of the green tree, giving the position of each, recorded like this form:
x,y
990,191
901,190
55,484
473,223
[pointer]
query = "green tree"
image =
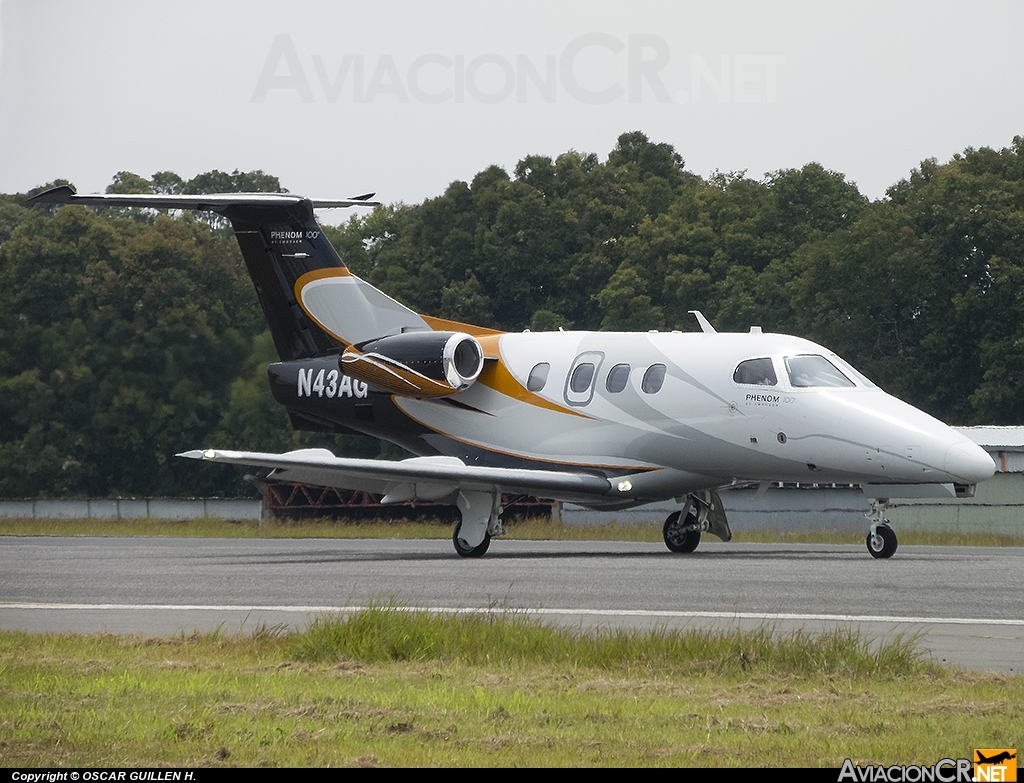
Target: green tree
x,y
626,305
127,182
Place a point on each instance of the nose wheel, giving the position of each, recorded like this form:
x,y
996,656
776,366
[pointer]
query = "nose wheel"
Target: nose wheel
x,y
882,542
681,533
881,538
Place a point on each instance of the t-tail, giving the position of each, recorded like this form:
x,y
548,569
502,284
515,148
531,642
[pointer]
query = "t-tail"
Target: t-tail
x,y
312,302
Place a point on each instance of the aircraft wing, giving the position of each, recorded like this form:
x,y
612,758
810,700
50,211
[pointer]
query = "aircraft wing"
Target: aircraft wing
x,y
423,478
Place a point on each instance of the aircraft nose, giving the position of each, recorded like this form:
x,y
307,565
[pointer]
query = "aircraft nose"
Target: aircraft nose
x,y
969,462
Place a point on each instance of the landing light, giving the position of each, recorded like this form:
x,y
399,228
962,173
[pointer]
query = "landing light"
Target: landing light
x,y
625,486
209,454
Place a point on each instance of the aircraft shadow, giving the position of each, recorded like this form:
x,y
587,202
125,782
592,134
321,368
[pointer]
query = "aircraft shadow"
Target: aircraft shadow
x,y
320,556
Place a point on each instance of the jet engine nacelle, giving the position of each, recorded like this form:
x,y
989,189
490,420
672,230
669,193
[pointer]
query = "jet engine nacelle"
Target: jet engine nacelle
x,y
417,364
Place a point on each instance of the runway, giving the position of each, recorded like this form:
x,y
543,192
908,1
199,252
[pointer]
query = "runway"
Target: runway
x,y
966,603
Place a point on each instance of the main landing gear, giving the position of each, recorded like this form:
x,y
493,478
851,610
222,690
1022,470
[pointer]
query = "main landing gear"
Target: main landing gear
x,y
481,519
465,550
702,511
881,538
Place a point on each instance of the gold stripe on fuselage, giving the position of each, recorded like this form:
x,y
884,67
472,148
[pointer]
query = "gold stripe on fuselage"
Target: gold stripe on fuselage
x,y
444,325
497,376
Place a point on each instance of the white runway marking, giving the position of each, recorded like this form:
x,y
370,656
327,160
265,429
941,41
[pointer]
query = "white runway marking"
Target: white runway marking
x,y
544,611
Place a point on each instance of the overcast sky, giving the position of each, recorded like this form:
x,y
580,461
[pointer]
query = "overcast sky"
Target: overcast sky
x,y
340,98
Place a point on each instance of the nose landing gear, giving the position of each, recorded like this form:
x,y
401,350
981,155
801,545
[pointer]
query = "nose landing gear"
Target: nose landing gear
x,y
702,511
881,538
682,532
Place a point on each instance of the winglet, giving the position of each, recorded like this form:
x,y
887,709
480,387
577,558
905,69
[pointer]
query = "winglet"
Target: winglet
x,y
705,324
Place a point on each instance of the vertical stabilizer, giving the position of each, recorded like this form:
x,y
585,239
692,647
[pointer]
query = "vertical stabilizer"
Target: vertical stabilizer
x,y
313,304
311,300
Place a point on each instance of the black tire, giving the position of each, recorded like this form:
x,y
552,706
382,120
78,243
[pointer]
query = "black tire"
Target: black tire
x,y
677,537
883,543
464,550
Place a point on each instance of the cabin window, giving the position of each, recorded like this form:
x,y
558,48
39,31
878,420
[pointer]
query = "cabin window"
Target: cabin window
x,y
654,378
811,370
582,377
756,372
618,377
538,377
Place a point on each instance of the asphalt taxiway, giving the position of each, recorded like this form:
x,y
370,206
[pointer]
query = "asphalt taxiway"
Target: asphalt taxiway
x,y
965,604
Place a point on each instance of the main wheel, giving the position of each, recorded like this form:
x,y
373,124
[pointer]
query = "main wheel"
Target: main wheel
x,y
465,550
882,543
677,537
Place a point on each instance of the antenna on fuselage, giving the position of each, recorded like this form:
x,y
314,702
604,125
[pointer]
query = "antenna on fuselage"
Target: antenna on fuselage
x,y
705,324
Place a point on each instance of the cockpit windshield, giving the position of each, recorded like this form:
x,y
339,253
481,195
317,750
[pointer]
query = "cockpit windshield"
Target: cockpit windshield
x,y
852,372
812,370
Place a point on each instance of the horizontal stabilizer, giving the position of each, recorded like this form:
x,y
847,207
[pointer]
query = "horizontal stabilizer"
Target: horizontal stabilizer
x,y
214,202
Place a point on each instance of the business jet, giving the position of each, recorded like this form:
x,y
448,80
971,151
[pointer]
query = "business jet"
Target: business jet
x,y
607,420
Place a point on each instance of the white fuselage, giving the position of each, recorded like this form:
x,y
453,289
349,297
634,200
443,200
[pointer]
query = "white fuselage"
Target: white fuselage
x,y
707,423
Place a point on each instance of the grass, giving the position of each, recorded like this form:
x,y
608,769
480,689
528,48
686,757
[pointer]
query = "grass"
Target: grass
x,y
526,529
216,527
392,688
325,527
388,634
